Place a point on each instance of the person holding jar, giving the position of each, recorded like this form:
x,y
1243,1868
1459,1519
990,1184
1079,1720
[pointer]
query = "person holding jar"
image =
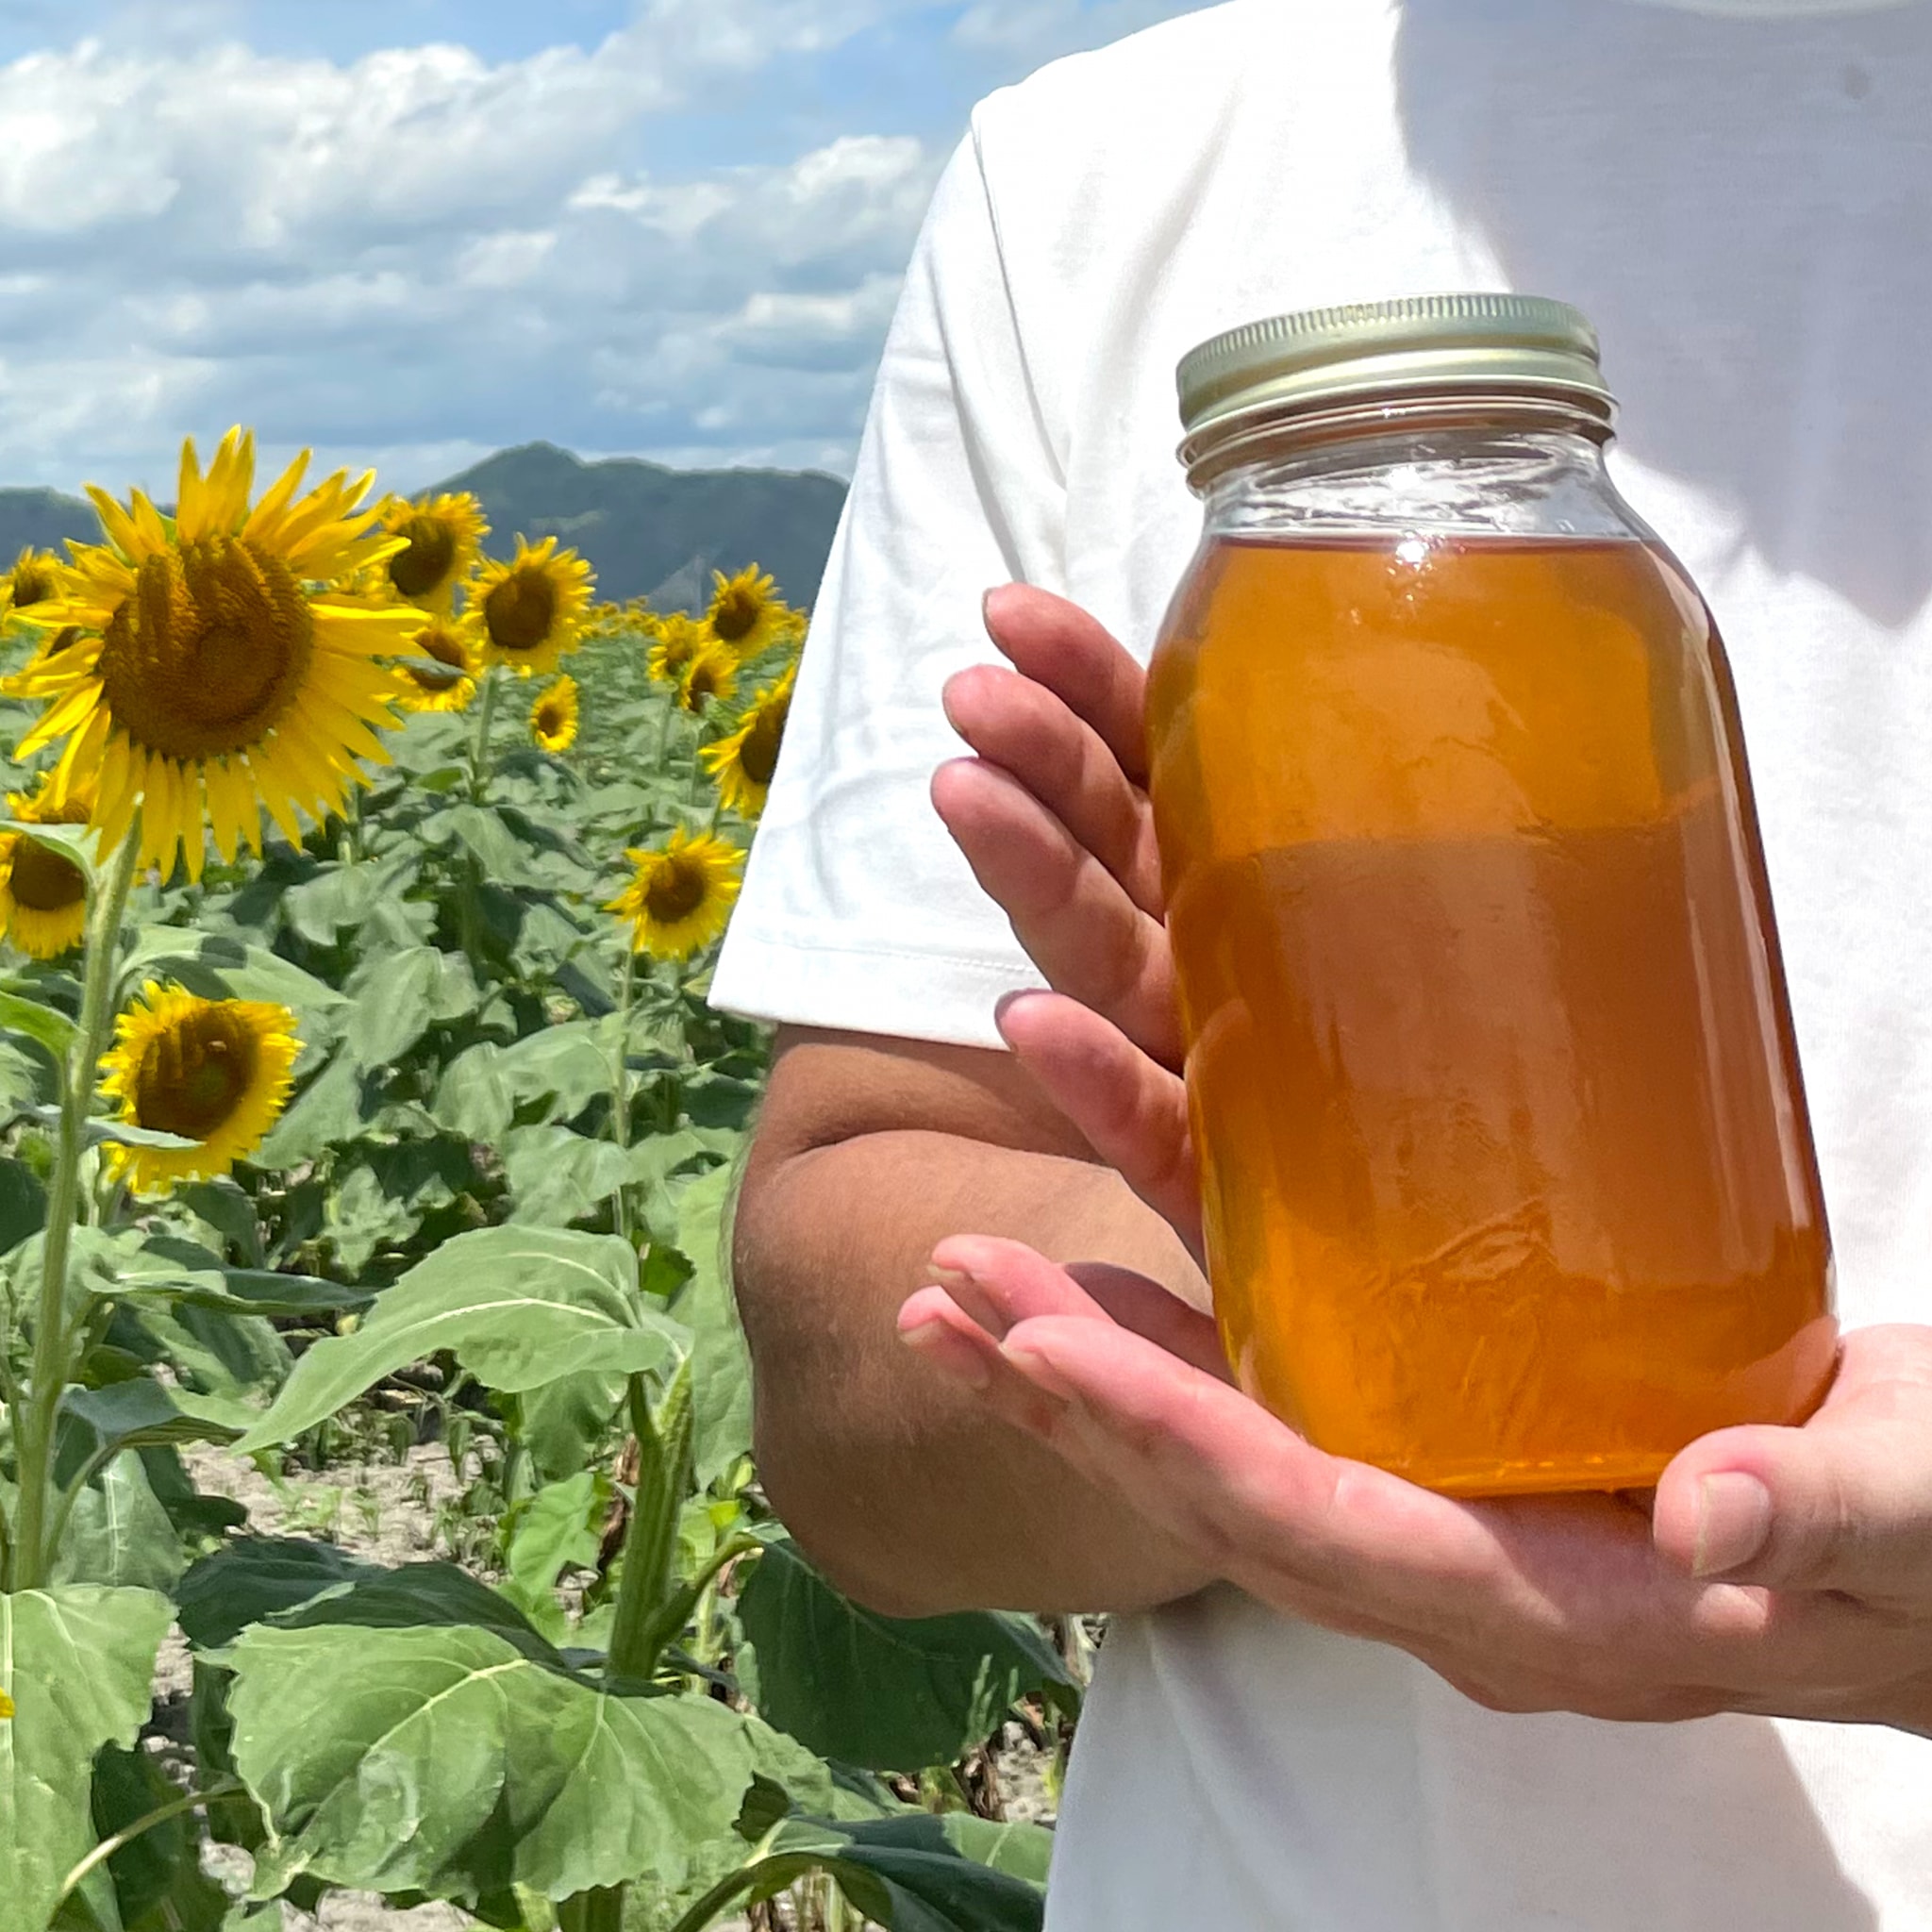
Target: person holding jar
x,y
1330,1697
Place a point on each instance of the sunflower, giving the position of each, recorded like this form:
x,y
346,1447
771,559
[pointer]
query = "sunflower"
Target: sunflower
x,y
214,1072
743,763
531,609
746,612
712,672
42,896
681,894
554,716
442,537
212,677
675,639
36,576
442,675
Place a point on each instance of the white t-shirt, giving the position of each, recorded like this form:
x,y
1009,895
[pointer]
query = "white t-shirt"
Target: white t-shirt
x,y
1743,205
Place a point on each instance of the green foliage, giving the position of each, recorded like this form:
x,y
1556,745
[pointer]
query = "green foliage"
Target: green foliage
x,y
77,1662
889,1693
495,1216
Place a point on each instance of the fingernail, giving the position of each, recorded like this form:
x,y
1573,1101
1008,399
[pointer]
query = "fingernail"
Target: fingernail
x,y
951,1354
1040,1373
970,1293
1733,1523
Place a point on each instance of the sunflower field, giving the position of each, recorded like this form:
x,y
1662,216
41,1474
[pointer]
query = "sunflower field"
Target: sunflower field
x,y
359,1098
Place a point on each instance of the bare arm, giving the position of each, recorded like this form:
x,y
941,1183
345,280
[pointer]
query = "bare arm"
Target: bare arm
x,y
915,1499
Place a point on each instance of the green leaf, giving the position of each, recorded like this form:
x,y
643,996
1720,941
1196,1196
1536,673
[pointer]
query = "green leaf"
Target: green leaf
x,y
23,1204
449,1761
720,1363
399,995
920,1873
339,897
179,1271
559,1529
257,1578
77,1661
44,1026
519,1308
157,1879
217,967
566,1421
118,1533
558,1176
138,1414
889,1694
334,1108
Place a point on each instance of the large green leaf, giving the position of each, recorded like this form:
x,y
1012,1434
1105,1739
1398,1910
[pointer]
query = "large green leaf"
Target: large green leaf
x,y
908,1873
135,1414
453,1762
557,1529
77,1661
887,1692
255,1577
557,1175
518,1306
156,1880
43,1024
720,1363
919,1873
119,1532
23,1204
400,995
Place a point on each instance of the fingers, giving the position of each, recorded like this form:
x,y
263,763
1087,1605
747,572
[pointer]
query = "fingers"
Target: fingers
x,y
1028,731
1076,924
1058,645
1257,1502
1132,1111
1842,1504
1002,1283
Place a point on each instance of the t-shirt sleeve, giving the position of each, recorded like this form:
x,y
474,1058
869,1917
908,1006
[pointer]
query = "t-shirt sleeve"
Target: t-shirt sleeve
x,y
857,912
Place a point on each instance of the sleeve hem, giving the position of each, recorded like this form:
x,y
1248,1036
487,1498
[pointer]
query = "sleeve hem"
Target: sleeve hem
x,y
886,990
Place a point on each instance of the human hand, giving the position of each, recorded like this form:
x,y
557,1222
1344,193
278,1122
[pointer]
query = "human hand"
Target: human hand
x,y
1052,814
1779,1570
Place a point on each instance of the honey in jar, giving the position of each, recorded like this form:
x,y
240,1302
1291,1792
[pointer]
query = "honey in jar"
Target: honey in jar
x,y
1507,1179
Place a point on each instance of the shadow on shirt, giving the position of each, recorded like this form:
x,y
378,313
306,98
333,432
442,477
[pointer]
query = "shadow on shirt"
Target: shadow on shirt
x,y
1776,352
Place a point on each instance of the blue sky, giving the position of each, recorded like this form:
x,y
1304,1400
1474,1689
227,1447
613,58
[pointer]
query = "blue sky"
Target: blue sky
x,y
410,231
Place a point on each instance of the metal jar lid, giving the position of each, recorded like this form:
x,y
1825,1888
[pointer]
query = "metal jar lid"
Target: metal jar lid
x,y
1364,352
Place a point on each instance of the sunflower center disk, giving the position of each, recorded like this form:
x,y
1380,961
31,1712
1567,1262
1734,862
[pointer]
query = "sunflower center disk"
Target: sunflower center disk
x,y
757,757
210,652
429,559
195,1075
32,586
735,616
519,612
42,881
451,666
677,890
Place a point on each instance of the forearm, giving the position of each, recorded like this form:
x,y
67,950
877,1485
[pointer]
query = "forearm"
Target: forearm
x,y
899,1484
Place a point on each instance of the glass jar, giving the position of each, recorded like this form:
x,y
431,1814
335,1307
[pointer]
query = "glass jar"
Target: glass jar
x,y
1508,1180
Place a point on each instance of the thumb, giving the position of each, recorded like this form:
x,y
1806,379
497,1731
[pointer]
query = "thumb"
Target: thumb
x,y
1842,1509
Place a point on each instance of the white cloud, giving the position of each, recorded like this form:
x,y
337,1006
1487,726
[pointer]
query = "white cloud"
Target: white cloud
x,y
421,253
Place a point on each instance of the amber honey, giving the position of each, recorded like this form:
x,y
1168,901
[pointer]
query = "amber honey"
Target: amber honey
x,y
1507,1179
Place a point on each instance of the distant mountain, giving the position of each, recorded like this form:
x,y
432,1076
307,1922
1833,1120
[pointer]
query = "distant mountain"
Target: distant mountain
x,y
647,530
653,532
43,520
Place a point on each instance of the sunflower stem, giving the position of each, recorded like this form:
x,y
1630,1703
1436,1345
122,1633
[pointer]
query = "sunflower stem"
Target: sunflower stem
x,y
33,1554
620,1081
479,745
